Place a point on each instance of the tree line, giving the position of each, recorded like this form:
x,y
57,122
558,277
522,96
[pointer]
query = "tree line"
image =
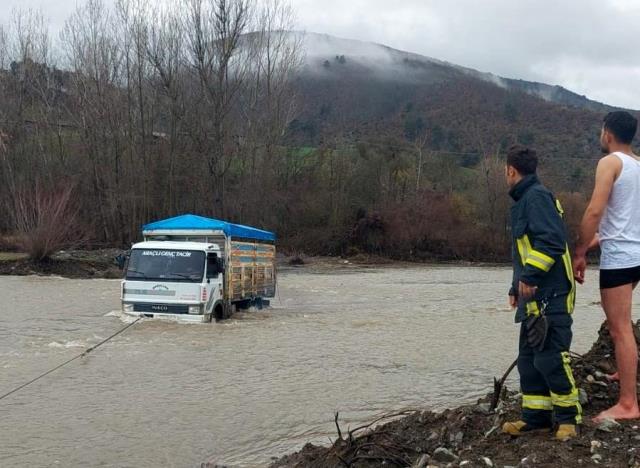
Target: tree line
x,y
151,109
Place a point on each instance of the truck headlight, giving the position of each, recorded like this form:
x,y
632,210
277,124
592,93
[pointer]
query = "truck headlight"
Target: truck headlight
x,y
194,309
127,307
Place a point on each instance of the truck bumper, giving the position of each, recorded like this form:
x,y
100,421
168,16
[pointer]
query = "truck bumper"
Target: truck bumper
x,y
187,318
175,312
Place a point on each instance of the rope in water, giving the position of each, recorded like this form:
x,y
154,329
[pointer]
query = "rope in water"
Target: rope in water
x,y
84,353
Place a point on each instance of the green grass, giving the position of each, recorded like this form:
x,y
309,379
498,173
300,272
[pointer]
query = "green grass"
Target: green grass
x,y
303,151
11,256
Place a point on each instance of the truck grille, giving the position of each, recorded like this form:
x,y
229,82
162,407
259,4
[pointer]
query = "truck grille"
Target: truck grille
x,y
161,308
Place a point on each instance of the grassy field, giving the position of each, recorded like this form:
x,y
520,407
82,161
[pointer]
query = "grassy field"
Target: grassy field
x,y
11,256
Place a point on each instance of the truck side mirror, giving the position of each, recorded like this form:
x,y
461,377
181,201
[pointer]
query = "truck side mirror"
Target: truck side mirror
x,y
121,259
220,265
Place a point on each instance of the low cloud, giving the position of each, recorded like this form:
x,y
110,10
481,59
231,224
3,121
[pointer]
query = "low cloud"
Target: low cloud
x,y
588,46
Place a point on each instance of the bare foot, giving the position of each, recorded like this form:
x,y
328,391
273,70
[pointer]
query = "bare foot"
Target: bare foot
x,y
618,412
612,377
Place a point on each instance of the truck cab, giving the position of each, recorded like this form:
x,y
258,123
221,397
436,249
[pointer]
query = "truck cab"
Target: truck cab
x,y
177,280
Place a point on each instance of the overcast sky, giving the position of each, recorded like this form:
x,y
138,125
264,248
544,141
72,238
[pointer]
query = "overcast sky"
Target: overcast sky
x,y
589,46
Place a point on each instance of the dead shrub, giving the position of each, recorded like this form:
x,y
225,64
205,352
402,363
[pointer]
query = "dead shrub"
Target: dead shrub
x,y
422,228
369,232
46,221
9,243
433,226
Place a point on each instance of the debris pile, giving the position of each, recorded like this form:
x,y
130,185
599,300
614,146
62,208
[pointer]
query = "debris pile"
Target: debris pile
x,y
470,437
70,264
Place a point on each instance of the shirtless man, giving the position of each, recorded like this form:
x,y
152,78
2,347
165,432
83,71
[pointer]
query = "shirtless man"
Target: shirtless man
x,y
612,220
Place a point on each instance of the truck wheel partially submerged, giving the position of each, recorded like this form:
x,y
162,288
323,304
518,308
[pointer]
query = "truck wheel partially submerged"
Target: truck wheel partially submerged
x,y
199,269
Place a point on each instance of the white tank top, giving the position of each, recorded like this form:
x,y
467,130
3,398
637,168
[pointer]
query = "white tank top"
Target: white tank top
x,y
620,225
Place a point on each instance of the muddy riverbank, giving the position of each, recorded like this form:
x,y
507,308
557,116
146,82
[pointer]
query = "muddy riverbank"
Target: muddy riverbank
x,y
68,264
93,264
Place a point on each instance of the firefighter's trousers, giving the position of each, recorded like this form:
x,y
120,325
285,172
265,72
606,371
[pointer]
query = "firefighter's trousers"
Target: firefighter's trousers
x,y
549,393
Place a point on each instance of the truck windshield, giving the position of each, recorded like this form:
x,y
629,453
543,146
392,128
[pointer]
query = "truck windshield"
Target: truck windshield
x,y
166,265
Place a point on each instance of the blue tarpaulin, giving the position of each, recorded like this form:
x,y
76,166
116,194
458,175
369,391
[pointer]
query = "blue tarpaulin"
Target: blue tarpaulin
x,y
194,222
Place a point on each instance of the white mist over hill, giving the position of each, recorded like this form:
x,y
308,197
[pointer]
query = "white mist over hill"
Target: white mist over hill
x,y
333,57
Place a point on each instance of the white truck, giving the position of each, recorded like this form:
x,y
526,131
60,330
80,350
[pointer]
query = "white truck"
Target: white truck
x,y
198,269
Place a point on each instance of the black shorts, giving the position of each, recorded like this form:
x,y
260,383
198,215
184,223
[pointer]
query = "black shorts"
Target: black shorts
x,y
614,278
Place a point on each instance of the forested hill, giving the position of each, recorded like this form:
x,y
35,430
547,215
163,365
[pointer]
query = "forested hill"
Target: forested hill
x,y
356,90
416,147
339,146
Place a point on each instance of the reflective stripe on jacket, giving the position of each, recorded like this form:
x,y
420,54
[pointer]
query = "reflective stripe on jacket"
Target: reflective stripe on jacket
x,y
540,251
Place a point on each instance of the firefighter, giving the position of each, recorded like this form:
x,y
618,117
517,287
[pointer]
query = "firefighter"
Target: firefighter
x,y
543,294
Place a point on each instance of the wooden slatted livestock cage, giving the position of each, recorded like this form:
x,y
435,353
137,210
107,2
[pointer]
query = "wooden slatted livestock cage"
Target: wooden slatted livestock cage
x,y
252,270
249,253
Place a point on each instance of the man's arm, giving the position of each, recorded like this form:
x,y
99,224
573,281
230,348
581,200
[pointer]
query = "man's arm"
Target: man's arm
x,y
606,174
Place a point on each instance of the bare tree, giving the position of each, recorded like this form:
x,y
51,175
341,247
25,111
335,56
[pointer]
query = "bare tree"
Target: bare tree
x,y
214,29
495,193
26,46
165,52
153,107
4,48
419,144
132,27
95,59
268,103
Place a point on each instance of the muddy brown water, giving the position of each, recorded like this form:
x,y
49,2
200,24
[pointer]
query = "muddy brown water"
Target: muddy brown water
x,y
361,341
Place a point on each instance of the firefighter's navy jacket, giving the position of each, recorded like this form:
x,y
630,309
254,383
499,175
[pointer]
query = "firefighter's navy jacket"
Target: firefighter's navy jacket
x,y
540,252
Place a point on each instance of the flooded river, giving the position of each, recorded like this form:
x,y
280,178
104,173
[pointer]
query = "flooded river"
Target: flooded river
x,y
358,341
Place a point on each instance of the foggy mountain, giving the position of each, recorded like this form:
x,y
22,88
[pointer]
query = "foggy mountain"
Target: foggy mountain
x,y
357,92
384,62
